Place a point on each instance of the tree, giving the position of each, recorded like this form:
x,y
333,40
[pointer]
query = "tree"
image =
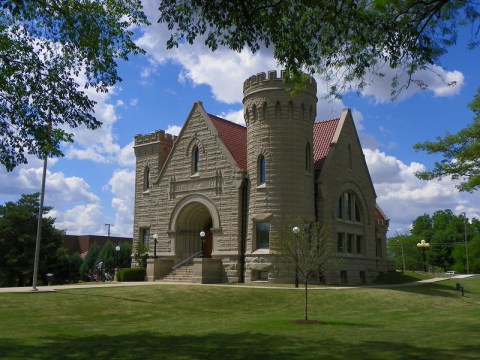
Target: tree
x,y
140,254
460,152
342,40
90,262
18,223
306,250
125,255
46,49
403,248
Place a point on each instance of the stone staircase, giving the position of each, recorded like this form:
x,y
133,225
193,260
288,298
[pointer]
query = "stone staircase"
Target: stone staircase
x,y
181,274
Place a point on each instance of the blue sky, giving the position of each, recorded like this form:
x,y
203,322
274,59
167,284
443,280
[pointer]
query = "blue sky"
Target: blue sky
x,y
93,184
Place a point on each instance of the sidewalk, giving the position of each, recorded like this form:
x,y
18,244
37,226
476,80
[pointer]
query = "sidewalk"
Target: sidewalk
x,y
54,288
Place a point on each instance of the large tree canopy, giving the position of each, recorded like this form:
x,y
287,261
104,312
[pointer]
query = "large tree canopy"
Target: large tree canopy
x,y
343,40
18,224
49,50
460,152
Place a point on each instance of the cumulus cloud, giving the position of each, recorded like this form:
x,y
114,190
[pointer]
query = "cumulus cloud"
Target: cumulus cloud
x,y
234,116
404,197
81,219
122,185
173,129
439,81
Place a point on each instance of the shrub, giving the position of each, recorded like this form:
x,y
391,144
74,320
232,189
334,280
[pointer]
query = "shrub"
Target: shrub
x,y
135,274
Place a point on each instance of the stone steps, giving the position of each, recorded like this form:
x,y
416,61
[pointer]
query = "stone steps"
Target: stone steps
x,y
181,274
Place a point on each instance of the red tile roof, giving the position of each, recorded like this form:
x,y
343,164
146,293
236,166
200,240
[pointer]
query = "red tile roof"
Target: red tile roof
x,y
234,136
377,215
322,138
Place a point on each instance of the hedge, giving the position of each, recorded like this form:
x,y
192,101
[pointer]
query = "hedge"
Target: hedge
x,y
135,274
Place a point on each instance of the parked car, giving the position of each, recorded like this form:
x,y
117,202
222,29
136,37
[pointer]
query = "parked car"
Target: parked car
x,y
451,272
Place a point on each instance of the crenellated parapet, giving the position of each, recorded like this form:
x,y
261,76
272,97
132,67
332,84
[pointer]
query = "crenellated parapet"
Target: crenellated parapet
x,y
262,81
153,143
269,98
157,136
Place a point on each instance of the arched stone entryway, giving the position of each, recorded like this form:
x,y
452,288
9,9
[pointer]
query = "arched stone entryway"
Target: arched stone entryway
x,y
193,214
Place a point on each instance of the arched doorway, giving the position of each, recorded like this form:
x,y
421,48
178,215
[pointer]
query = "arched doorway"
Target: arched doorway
x,y
193,214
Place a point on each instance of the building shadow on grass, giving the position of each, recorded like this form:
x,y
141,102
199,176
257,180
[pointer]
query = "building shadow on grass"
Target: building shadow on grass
x,y
244,345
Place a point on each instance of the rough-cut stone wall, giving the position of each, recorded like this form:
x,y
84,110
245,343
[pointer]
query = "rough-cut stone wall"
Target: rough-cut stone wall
x,y
181,202
151,151
337,177
279,127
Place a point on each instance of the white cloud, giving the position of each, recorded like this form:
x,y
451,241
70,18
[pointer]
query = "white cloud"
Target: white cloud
x,y
436,79
122,185
126,157
80,220
173,129
404,197
234,116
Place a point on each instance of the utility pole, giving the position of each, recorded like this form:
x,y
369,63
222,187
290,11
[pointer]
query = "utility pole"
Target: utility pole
x,y
108,228
466,241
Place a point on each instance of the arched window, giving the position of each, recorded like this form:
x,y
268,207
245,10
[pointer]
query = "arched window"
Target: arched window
x,y
350,227
278,110
308,158
261,170
195,160
348,207
146,178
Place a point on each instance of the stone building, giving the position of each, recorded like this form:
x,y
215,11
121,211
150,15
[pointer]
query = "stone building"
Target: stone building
x,y
211,202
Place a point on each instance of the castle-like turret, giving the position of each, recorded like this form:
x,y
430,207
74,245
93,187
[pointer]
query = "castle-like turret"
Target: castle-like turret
x,y
279,153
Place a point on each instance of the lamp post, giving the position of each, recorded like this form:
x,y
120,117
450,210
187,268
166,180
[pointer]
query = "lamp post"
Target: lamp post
x,y
155,240
117,251
423,245
202,237
296,230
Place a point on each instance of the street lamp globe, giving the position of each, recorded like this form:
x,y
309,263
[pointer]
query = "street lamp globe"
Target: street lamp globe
x,y
423,245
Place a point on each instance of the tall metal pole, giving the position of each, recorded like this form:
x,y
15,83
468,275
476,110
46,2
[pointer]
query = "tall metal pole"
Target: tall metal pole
x,y
466,241
39,226
108,227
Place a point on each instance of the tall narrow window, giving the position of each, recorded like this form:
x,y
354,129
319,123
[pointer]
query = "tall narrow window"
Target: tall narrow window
x,y
308,158
196,160
340,237
359,244
278,110
146,178
261,170
349,243
145,235
349,205
340,207
262,232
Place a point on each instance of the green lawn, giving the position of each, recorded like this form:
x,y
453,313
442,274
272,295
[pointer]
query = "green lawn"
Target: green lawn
x,y
202,322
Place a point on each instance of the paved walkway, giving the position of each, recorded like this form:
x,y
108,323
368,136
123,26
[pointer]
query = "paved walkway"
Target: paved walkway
x,y
54,288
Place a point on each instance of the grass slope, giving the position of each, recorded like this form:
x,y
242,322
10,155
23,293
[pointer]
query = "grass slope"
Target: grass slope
x,y
200,322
